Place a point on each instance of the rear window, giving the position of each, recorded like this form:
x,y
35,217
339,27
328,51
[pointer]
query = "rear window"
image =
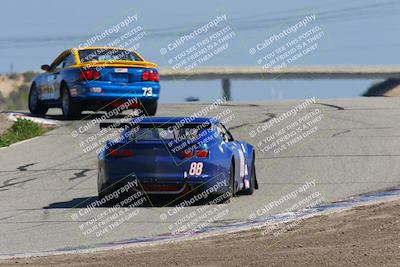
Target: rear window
x,y
158,134
89,55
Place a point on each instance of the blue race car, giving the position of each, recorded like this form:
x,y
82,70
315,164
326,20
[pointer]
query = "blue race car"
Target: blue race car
x,y
176,155
95,78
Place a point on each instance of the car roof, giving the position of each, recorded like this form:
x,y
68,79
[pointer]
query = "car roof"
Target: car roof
x,y
184,120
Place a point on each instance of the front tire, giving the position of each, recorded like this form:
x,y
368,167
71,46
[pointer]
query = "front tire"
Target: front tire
x,y
35,105
70,109
253,181
232,181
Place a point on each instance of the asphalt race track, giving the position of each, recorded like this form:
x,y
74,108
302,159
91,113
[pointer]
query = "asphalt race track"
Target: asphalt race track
x,y
43,181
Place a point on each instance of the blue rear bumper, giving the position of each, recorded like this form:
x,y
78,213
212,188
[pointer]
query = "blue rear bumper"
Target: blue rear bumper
x,y
193,184
108,91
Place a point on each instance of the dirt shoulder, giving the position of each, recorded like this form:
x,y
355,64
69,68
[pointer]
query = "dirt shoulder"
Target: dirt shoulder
x,y
7,84
362,236
4,123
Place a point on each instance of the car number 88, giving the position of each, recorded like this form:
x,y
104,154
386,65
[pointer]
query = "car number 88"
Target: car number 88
x,y
196,168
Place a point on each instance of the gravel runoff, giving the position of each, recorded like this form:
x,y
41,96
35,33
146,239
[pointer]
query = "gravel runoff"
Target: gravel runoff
x,y
363,236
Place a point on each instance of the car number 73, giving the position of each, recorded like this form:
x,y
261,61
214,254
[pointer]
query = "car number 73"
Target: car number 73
x,y
147,91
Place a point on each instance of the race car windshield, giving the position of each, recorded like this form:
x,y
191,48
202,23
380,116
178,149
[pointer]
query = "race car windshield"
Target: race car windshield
x,y
89,55
159,134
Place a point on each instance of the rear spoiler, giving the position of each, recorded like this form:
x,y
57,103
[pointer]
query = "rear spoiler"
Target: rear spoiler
x,y
117,63
117,125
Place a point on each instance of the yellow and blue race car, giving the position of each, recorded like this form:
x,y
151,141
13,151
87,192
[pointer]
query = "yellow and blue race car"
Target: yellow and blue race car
x,y
95,78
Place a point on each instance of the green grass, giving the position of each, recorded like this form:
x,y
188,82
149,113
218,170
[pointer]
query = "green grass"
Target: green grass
x,y
21,130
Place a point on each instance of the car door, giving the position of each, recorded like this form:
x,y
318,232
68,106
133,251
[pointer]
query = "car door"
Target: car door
x,y
52,80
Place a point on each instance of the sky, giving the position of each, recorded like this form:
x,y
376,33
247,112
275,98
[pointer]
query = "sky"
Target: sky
x,y
358,32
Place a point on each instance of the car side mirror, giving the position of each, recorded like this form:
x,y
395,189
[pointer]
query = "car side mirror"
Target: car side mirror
x,y
45,67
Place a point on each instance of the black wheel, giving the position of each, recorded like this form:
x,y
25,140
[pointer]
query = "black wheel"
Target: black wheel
x,y
253,181
224,197
35,105
102,195
149,108
70,109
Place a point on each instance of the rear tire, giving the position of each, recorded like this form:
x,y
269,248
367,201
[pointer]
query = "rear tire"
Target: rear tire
x,y
70,109
102,195
150,108
35,105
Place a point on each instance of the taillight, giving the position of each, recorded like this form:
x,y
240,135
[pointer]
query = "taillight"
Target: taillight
x,y
187,154
202,153
89,75
199,153
151,76
122,153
